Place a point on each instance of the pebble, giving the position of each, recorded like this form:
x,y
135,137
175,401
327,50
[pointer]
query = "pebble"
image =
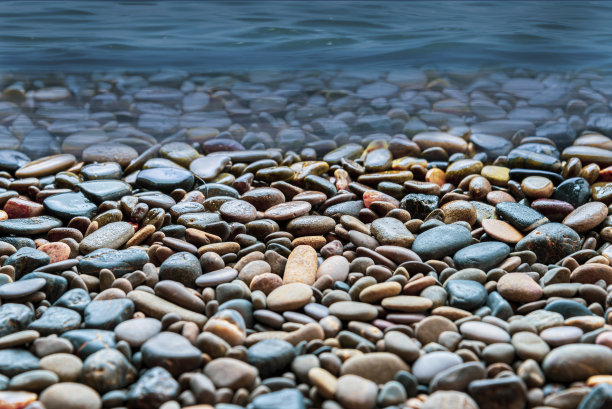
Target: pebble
x,y
519,287
172,352
550,242
301,266
355,392
110,236
428,365
69,395
352,310
577,362
441,241
289,297
230,373
586,217
484,256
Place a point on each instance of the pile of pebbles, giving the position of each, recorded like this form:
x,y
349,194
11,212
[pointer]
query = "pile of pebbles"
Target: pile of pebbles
x,y
333,240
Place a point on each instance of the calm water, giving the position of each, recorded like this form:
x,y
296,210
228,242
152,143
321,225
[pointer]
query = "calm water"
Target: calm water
x,y
237,36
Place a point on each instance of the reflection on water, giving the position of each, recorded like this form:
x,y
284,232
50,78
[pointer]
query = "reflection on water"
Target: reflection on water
x,y
239,36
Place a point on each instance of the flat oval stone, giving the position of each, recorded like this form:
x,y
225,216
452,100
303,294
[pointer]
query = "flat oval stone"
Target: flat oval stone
x,y
68,395
21,288
379,367
27,259
502,231
391,231
230,373
289,297
56,320
17,399
530,346
557,336
428,365
214,278
586,217
48,165
15,361
172,352
337,267
165,179
270,356
238,211
264,197
137,331
11,160
591,273
311,225
550,242
87,341
355,392
465,294
301,266
69,205
102,190
288,210
120,262
29,226
157,307
110,236
405,303
484,256
568,308
519,287
577,362
353,311
209,167
287,398
485,332
520,216
106,314
457,377
441,241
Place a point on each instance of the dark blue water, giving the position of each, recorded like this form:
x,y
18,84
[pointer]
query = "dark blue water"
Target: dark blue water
x,y
238,36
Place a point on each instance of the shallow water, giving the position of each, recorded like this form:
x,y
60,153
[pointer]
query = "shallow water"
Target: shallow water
x,y
238,36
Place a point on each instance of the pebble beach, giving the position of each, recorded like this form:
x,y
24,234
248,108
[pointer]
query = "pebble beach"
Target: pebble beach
x,y
410,239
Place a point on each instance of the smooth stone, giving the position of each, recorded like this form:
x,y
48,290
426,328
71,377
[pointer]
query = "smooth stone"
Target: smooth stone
x,y
557,336
568,308
441,241
230,373
209,167
26,260
56,320
355,392
68,395
68,367
56,285
289,297
503,393
402,345
11,160
586,217
46,166
18,338
118,262
428,365
75,299
286,398
337,267
502,231
157,307
16,361
555,210
107,370
214,278
137,331
309,226
485,332
110,152
102,171
21,288
270,356
577,362
14,318
182,267
449,400
391,231
600,397
457,377
29,226
287,210
465,294
575,191
484,256
301,266
524,218
591,273
107,314
353,311
17,399
68,205
172,352
405,303
238,211
102,190
165,179
519,287
154,387
109,236
542,319
87,341
550,242
379,367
